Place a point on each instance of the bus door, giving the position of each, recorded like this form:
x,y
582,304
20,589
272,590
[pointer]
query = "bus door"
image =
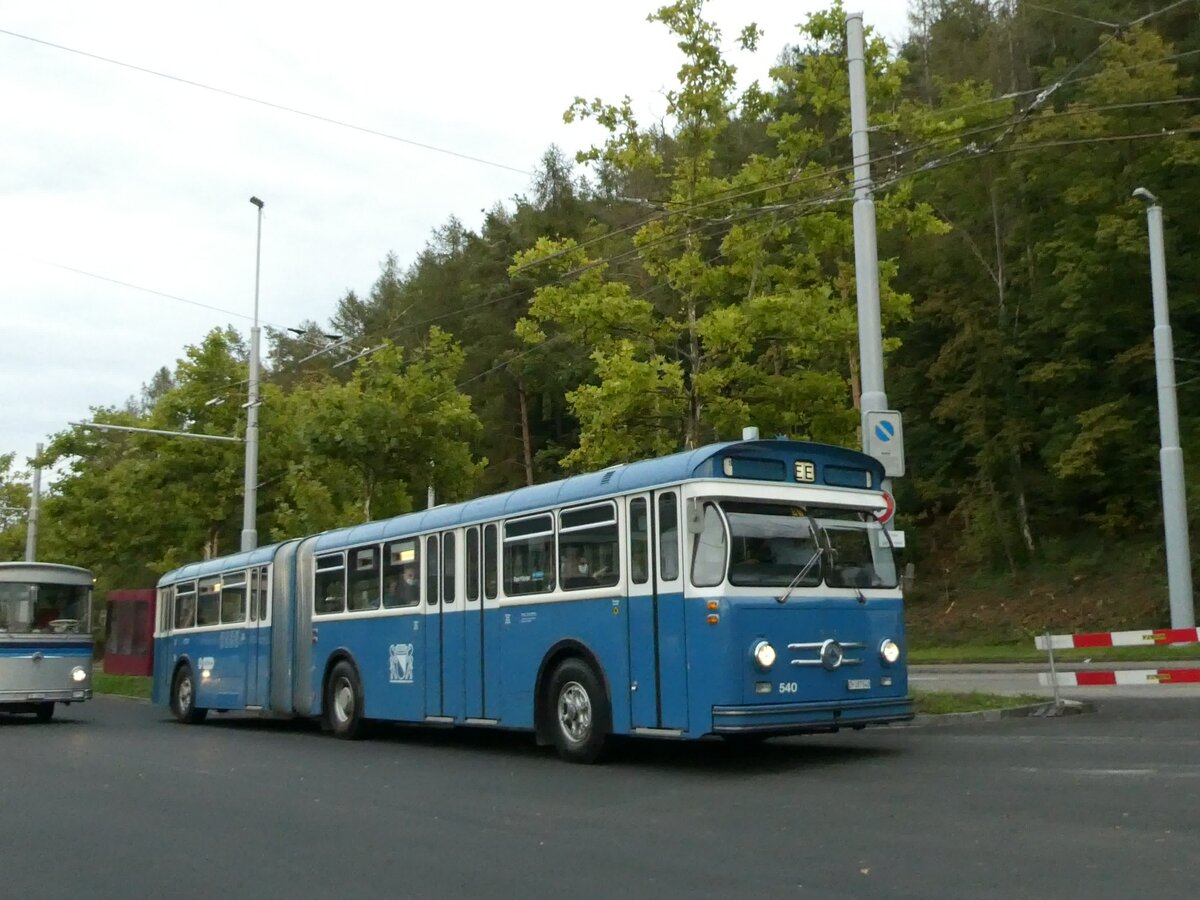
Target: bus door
x,y
258,639
668,591
472,616
433,628
643,662
657,647
452,629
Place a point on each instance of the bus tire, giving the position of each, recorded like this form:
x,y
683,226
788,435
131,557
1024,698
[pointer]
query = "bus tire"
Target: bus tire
x,y
44,712
344,703
183,697
578,712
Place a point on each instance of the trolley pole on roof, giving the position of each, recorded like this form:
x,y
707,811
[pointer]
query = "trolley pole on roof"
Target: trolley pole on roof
x,y
250,486
882,429
35,491
1170,455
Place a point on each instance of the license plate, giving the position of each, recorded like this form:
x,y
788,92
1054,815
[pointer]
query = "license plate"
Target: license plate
x,y
858,684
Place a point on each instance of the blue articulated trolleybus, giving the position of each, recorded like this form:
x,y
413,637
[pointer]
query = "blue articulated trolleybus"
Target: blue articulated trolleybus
x,y
740,589
45,637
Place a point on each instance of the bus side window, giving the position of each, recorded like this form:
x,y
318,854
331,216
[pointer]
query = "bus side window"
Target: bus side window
x,y
448,567
431,570
472,564
329,595
639,535
208,602
668,538
490,580
364,579
185,605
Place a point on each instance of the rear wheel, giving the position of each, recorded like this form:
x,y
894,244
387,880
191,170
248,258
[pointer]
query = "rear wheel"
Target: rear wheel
x,y
343,702
183,698
578,712
44,712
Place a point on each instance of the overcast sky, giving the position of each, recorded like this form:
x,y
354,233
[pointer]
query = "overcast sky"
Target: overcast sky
x,y
146,180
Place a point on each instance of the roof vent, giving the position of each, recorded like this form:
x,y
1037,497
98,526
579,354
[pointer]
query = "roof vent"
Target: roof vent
x,y
750,433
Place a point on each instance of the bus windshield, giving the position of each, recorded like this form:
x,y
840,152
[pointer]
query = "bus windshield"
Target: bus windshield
x,y
770,543
37,608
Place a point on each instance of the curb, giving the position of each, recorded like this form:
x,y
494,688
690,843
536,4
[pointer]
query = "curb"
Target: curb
x,y
1033,710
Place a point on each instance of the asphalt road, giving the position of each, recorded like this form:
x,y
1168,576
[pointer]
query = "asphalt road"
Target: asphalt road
x,y
113,800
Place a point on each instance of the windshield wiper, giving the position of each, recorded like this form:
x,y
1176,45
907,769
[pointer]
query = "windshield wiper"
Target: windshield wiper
x,y
817,532
783,598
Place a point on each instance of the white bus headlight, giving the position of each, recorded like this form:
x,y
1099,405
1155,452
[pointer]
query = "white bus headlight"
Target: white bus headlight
x,y
79,673
764,655
889,651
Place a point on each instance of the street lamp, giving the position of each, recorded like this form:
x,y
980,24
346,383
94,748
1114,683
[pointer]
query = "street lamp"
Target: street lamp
x,y
1170,456
250,487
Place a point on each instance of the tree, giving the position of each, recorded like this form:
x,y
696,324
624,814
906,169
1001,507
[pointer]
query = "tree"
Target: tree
x,y
749,315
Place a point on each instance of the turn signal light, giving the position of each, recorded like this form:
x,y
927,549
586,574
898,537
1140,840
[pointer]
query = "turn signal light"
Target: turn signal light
x,y
714,605
713,620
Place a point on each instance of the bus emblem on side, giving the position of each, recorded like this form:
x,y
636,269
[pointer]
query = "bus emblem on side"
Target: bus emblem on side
x,y
400,664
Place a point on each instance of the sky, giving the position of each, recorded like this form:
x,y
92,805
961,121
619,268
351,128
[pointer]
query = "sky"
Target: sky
x,y
119,186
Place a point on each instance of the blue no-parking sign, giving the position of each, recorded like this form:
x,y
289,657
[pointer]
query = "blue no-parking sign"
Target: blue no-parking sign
x,y
883,438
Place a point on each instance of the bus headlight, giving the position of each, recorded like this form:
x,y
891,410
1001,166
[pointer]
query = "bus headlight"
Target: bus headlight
x,y
889,651
764,655
79,673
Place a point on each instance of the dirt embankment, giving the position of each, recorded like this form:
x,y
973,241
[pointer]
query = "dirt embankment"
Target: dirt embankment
x,y
1001,610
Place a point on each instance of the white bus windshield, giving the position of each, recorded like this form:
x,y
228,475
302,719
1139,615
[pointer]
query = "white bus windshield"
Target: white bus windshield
x,y
37,608
771,543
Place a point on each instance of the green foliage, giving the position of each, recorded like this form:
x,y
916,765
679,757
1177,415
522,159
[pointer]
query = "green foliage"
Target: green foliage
x,y
14,503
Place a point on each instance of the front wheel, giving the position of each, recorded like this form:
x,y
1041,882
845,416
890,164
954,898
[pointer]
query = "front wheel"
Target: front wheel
x,y
183,698
44,712
343,702
578,712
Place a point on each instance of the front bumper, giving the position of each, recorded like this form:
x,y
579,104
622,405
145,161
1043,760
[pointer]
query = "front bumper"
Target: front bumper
x,y
22,698
808,718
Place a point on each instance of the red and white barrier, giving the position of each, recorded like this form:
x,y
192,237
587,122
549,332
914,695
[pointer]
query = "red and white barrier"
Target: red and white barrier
x,y
1145,638
1120,676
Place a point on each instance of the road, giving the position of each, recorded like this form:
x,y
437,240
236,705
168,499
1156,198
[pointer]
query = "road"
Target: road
x,y
113,800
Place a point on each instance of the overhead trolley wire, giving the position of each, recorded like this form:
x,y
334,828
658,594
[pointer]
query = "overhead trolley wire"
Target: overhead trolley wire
x,y
270,104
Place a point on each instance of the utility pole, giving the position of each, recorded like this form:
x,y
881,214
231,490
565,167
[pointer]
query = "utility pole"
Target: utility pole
x,y
250,486
882,430
1170,454
35,491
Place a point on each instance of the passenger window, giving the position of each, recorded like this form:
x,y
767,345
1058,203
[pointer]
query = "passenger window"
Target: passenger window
x,y
668,537
364,579
448,568
529,555
402,575
208,602
329,594
490,585
233,598
431,570
639,541
587,547
260,591
185,605
472,564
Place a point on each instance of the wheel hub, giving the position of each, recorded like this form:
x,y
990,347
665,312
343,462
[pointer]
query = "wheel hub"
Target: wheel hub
x,y
575,712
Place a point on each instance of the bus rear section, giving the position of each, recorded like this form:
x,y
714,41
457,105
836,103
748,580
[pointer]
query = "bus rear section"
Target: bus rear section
x,y
45,637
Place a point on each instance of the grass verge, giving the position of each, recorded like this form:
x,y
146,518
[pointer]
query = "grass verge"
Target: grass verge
x,y
937,703
122,685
